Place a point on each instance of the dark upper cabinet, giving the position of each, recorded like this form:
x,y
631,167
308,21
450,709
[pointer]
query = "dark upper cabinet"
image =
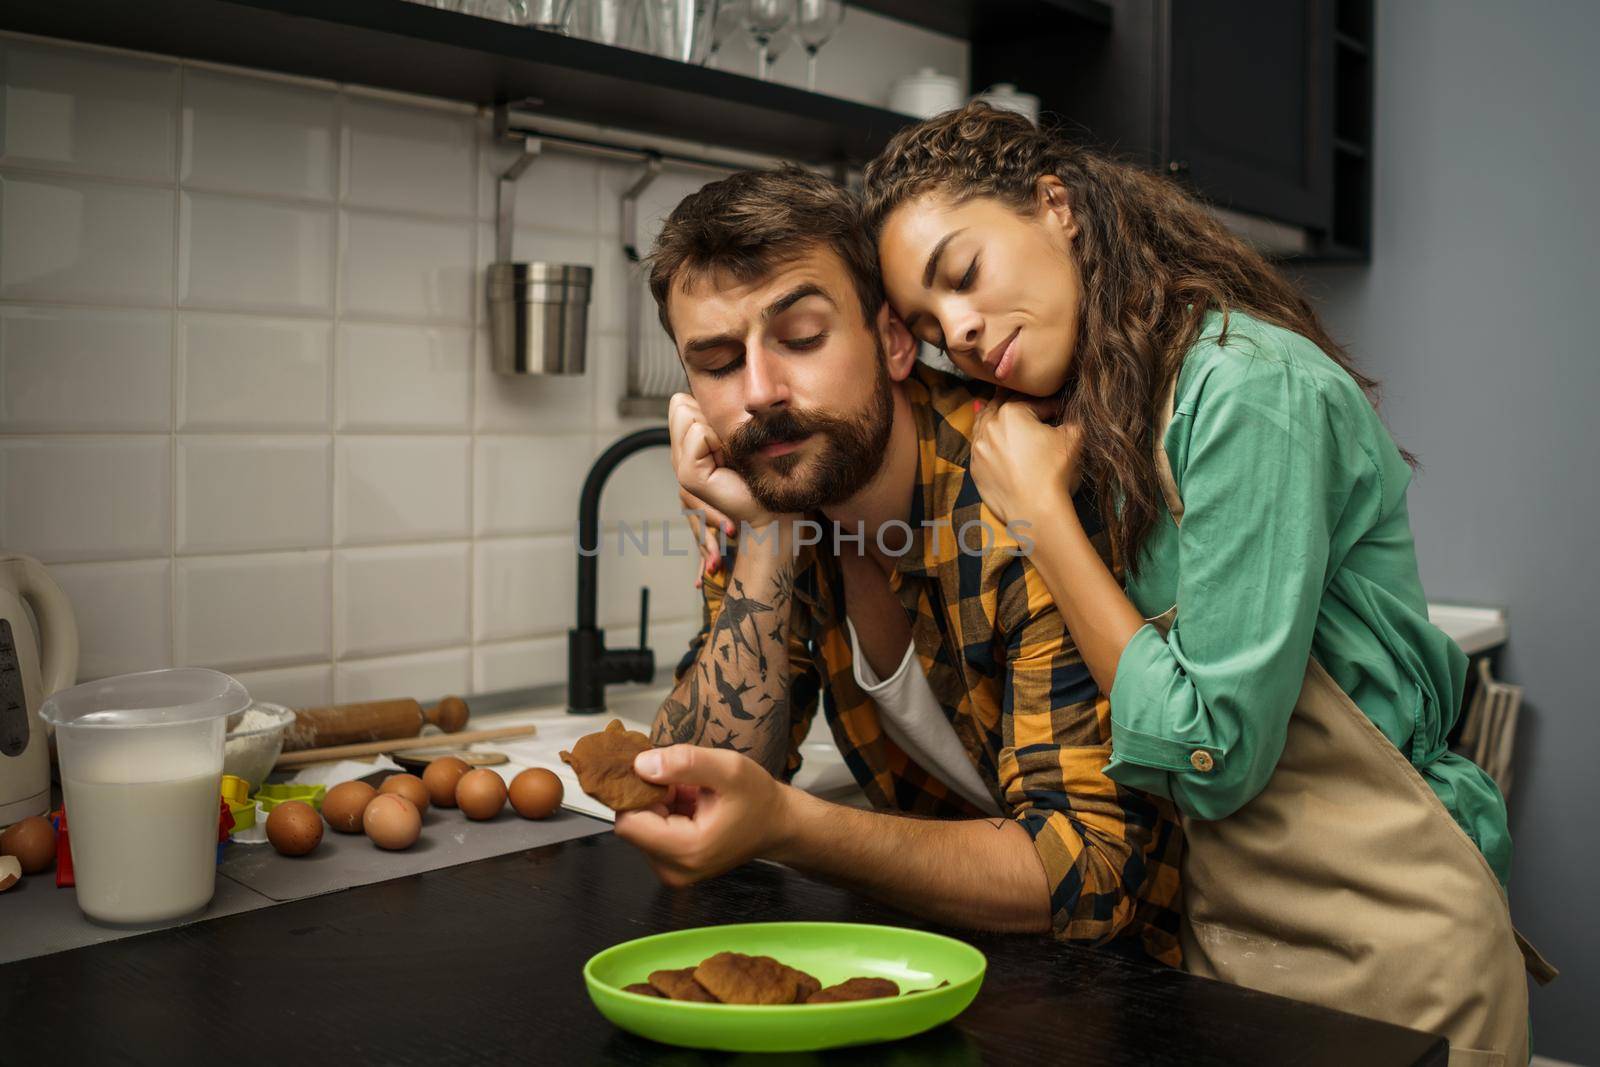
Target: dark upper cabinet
x,y
1251,103
1244,103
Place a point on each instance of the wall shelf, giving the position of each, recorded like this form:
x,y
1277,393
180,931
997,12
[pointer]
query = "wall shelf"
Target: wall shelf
x,y
392,44
974,19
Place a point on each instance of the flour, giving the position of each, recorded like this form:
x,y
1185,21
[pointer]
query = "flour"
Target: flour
x,y
251,757
254,719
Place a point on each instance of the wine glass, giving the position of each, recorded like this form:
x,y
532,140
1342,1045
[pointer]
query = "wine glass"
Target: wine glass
x,y
815,23
727,18
512,11
764,20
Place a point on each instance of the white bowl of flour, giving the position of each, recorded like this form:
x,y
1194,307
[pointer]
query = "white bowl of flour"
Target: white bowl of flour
x,y
255,737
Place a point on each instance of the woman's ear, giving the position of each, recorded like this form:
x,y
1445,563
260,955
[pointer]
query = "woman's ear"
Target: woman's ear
x,y
899,347
1055,206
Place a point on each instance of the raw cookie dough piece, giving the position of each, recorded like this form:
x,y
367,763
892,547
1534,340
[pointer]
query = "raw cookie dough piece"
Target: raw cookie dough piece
x,y
735,978
644,989
680,985
855,989
604,765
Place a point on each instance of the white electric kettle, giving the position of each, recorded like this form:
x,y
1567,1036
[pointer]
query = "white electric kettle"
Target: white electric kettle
x,y
38,655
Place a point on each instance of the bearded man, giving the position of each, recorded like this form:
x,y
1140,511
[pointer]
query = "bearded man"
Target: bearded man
x,y
870,581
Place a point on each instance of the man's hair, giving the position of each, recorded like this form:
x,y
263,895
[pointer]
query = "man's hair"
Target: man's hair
x,y
753,222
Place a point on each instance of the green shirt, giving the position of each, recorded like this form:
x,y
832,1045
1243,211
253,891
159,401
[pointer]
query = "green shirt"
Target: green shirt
x,y
1295,542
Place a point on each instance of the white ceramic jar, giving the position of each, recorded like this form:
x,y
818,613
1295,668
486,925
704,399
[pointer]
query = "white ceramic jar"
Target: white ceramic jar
x,y
925,94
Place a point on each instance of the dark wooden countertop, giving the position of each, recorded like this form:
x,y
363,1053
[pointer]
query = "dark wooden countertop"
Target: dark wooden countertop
x,y
482,964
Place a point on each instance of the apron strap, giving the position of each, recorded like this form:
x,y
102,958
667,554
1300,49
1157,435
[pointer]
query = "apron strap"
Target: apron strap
x,y
1539,969
1158,448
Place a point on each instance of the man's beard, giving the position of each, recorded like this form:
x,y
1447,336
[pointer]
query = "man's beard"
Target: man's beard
x,y
851,451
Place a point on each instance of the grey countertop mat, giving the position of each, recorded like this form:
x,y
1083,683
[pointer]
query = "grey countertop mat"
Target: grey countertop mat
x,y
448,839
37,919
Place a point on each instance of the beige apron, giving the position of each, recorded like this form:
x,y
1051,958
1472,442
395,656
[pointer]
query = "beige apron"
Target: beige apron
x,y
1346,883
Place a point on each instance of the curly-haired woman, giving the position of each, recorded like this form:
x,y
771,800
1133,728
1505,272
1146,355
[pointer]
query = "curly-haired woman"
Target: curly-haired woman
x,y
1270,662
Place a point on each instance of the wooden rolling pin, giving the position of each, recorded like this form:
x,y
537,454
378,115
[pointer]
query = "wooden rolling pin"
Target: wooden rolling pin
x,y
377,748
377,720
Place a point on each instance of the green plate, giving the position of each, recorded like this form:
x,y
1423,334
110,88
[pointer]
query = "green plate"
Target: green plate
x,y
832,952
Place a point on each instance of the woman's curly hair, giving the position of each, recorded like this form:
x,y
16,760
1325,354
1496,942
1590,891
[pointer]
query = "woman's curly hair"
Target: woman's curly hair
x,y
1153,261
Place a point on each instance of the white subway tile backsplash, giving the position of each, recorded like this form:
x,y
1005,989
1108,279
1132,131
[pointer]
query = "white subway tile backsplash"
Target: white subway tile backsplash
x,y
293,687
532,403
529,484
77,241
72,498
608,362
254,610
237,493
524,587
671,640
254,255
402,488
91,112
655,203
558,191
400,598
291,276
531,244
69,369
408,158
124,615
255,135
667,565
426,676
405,268
397,378
642,487
239,372
518,664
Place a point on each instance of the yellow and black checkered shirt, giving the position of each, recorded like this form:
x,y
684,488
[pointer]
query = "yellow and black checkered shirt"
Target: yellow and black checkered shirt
x,y
1008,675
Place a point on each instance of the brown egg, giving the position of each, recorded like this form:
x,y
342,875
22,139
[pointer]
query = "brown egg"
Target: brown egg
x,y
33,842
392,821
10,872
408,786
294,828
481,794
441,776
535,793
344,805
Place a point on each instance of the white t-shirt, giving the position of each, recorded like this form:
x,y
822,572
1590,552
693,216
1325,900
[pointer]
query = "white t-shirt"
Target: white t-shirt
x,y
913,719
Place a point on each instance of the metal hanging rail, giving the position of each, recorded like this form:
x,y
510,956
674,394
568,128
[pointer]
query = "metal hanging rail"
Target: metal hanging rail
x,y
636,147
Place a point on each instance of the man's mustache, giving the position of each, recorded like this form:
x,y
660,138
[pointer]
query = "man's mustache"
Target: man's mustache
x,y
781,427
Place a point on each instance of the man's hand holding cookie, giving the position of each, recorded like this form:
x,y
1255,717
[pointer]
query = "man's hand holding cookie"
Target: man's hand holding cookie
x,y
724,810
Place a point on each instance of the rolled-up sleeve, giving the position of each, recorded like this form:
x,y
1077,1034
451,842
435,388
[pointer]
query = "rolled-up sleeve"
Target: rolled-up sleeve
x,y
1268,466
1093,836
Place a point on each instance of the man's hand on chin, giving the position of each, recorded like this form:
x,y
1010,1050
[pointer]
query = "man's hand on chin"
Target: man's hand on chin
x,y
722,810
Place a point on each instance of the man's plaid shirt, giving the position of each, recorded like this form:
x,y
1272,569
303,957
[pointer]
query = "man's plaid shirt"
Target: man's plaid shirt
x,y
998,657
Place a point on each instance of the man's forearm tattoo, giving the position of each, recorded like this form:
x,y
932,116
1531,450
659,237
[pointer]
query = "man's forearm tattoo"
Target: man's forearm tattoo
x,y
733,697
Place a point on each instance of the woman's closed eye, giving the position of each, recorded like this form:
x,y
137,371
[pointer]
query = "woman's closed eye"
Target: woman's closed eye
x,y
968,278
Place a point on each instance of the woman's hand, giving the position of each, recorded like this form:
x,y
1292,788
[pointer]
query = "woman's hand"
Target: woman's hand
x,y
1016,454
705,523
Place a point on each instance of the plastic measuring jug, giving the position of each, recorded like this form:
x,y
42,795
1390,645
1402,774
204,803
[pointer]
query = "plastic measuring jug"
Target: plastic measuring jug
x,y
141,766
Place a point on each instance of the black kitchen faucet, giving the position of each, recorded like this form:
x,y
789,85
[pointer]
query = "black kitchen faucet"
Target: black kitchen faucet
x,y
590,665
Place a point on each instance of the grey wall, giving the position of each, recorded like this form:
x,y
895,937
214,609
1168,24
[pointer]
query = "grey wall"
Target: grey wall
x,y
1479,312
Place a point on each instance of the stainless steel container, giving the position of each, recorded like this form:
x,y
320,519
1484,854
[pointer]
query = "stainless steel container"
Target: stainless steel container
x,y
539,317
